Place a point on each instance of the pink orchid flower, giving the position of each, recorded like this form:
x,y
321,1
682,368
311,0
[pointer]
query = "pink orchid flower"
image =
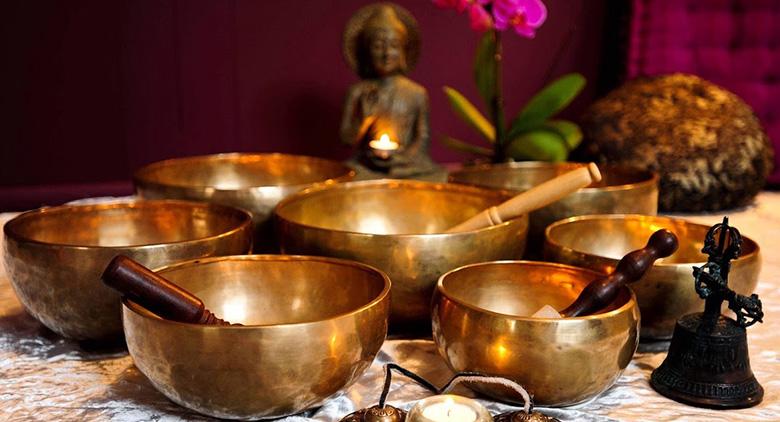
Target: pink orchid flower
x,y
525,16
480,19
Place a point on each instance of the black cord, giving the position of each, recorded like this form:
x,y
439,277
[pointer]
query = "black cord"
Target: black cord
x,y
389,378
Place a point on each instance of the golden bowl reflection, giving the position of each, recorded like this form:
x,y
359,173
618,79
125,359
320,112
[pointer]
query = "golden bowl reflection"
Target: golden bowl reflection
x,y
480,323
312,327
621,191
254,182
667,291
397,226
55,256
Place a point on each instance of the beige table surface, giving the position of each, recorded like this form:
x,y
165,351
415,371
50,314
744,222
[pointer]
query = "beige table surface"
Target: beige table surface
x,y
44,377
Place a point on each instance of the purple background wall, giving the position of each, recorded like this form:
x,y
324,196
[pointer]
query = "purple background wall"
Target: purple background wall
x,y
94,89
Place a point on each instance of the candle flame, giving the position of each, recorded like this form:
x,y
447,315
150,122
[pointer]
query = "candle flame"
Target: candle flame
x,y
384,143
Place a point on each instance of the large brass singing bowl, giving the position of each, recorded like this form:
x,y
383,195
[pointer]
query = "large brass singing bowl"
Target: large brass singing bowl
x,y
480,323
254,182
621,191
397,226
667,291
55,256
312,326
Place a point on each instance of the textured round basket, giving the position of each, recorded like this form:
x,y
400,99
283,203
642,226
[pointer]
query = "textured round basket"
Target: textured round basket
x,y
705,142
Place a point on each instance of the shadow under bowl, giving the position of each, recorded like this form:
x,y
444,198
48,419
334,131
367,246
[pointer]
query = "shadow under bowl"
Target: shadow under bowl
x,y
54,256
481,323
254,182
398,226
666,292
312,326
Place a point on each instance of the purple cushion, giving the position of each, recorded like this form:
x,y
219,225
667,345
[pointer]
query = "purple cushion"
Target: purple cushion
x,y
733,43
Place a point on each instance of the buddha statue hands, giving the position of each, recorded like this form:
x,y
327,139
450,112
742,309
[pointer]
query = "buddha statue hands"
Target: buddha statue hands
x,y
381,43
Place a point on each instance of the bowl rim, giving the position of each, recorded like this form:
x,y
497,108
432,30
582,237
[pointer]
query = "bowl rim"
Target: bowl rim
x,y
391,184
10,229
382,296
548,240
140,178
651,181
631,302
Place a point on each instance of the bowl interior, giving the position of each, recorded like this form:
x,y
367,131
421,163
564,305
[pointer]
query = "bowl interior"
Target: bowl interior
x,y
126,224
396,208
614,237
238,171
278,291
525,175
520,289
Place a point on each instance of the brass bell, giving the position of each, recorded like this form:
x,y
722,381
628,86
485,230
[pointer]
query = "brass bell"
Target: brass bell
x,y
521,416
708,363
376,413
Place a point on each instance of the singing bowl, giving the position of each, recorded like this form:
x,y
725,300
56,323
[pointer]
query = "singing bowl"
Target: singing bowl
x,y
312,326
666,292
55,256
254,182
480,323
621,191
397,226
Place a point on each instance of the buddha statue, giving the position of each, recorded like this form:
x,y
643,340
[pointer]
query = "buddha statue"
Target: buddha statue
x,y
381,43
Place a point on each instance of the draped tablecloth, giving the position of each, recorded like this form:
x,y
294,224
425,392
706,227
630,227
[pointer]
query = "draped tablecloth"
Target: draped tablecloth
x,y
45,377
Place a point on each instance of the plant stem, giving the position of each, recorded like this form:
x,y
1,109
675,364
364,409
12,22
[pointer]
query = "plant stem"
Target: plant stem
x,y
498,103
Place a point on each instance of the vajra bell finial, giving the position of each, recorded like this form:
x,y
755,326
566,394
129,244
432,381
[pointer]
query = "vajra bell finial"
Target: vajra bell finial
x,y
711,279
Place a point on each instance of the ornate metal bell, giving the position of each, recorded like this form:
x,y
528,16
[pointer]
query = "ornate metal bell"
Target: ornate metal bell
x,y
376,414
708,363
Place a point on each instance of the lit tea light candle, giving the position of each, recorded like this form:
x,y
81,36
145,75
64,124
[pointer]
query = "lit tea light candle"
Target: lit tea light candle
x,y
383,146
448,408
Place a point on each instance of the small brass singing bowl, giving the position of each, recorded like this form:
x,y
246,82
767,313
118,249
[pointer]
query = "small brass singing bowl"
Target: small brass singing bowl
x,y
312,326
667,291
55,256
481,323
254,182
398,226
621,191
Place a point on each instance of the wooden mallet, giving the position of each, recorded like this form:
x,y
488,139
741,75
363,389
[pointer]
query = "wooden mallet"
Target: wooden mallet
x,y
532,199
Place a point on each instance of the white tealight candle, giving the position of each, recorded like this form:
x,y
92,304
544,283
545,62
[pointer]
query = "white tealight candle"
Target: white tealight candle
x,y
383,146
448,408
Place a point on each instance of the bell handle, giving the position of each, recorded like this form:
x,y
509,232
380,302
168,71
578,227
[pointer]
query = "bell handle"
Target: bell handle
x,y
156,293
602,291
532,199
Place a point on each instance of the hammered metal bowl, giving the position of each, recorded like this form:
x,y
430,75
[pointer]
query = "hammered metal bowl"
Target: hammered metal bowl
x,y
54,256
480,323
312,327
621,191
254,182
667,291
397,226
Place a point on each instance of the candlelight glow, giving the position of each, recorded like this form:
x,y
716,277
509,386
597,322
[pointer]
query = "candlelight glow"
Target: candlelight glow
x,y
448,408
449,411
384,143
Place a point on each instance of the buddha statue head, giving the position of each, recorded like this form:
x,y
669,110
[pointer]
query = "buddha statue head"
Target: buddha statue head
x,y
381,40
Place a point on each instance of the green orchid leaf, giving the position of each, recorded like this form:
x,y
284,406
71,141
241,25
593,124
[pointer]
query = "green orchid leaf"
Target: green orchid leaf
x,y
469,113
462,146
546,103
569,131
485,69
538,145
